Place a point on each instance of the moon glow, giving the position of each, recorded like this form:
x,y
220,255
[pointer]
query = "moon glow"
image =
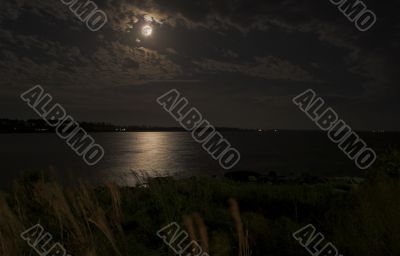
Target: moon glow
x,y
147,30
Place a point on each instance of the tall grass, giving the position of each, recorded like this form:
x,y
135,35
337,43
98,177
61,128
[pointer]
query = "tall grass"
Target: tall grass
x,y
243,236
226,218
194,224
74,216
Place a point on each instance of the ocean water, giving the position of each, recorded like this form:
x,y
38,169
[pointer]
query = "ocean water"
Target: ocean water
x,y
176,153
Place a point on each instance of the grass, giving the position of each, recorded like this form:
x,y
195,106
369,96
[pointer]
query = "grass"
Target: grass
x,y
225,217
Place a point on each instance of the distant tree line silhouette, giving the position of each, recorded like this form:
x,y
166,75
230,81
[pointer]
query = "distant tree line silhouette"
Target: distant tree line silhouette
x,y
40,126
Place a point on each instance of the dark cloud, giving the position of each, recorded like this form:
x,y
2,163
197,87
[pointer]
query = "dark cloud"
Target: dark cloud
x,y
257,54
269,68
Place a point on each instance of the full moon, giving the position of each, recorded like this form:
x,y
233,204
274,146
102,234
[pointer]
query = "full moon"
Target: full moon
x,y
147,30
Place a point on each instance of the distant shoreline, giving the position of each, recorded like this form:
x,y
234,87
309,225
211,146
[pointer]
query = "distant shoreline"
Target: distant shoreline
x,y
40,126
51,131
16,126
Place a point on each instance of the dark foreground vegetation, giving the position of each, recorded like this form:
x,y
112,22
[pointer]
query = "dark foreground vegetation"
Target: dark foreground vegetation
x,y
224,216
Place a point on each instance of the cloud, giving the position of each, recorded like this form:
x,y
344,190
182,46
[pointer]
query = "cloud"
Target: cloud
x,y
270,68
111,64
125,60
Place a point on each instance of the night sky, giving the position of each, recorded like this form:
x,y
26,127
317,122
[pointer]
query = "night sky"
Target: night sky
x,y
239,62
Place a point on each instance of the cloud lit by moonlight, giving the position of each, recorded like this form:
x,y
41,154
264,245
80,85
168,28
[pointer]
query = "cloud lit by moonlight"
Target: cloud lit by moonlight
x,y
147,30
